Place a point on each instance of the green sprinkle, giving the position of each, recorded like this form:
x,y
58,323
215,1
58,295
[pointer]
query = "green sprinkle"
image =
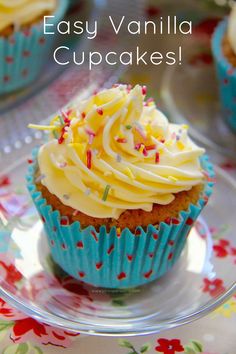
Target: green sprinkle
x,y
55,134
61,120
106,191
128,127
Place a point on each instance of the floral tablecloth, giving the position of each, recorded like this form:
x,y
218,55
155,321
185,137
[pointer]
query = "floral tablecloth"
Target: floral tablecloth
x,y
214,334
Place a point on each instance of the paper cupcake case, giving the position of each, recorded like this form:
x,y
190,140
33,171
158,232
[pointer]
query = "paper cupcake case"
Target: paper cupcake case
x,y
226,76
113,260
23,54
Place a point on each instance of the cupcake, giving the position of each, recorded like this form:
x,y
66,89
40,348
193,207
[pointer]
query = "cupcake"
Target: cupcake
x,y
118,188
24,47
224,52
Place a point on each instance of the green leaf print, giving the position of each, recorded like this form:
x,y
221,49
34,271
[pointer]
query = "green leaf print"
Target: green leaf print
x,y
17,349
189,350
125,343
5,324
145,348
38,350
197,346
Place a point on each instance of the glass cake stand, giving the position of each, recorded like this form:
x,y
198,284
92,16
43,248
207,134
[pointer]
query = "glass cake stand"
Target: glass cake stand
x,y
201,280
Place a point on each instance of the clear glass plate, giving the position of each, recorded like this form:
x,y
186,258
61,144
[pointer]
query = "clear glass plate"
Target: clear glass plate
x,y
29,280
190,92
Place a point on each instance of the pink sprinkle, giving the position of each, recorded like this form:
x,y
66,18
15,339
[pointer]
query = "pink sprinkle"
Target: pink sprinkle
x,y
89,159
129,88
100,111
157,157
145,153
149,100
144,90
69,112
138,146
91,135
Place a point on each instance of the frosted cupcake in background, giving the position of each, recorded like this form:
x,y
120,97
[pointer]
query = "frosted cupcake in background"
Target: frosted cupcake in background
x,y
23,46
118,188
224,51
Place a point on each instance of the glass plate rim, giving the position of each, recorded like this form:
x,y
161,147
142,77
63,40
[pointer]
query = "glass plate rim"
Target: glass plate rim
x,y
106,330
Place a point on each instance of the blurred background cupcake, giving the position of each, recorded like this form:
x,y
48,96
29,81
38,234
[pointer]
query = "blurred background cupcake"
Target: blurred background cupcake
x,y
24,47
224,52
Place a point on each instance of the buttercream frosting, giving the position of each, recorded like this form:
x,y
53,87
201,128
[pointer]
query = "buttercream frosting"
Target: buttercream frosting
x,y
232,28
115,152
21,12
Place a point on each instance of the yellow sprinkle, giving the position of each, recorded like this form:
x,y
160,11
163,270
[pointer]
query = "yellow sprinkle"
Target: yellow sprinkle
x,y
160,150
169,143
129,173
107,173
172,178
141,148
180,145
118,230
42,127
65,135
185,126
56,118
120,135
149,130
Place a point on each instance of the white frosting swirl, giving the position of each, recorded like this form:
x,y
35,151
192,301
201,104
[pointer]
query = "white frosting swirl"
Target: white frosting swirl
x,y
117,152
232,28
21,12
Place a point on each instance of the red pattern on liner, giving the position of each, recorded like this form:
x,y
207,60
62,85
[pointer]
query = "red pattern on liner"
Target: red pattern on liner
x,y
148,274
80,244
121,276
189,222
93,233
155,236
170,256
110,249
99,265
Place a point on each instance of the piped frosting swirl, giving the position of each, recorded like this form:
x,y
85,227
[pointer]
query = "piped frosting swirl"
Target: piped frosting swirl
x,y
232,28
22,12
115,152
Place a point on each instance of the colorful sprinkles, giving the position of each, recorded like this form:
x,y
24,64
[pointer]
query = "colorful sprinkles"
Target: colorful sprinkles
x,y
80,131
106,192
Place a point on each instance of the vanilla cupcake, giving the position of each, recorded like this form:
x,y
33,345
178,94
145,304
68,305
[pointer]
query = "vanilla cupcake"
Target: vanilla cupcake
x,y
224,51
24,47
118,188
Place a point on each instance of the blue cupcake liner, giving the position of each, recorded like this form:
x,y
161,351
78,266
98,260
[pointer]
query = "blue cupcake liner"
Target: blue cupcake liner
x,y
111,260
23,54
226,76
